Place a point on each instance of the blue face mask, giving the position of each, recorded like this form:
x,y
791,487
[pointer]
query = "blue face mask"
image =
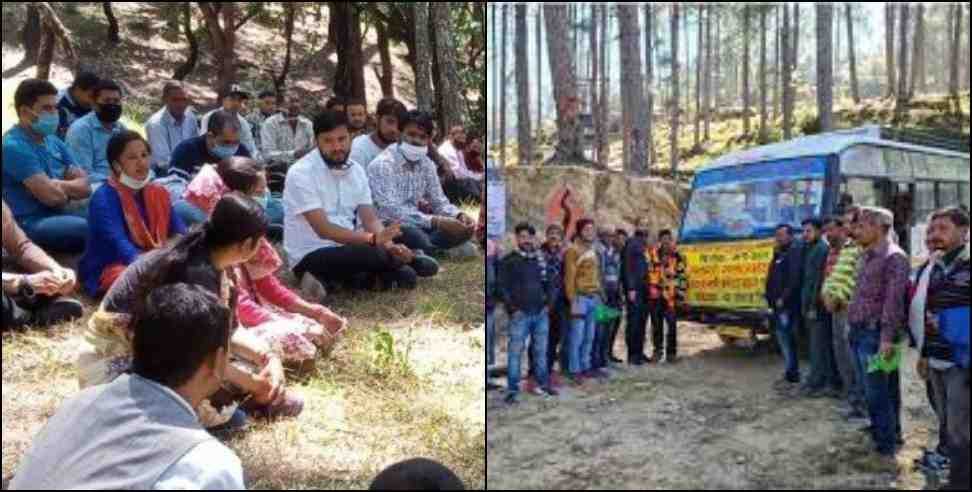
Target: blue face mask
x,y
46,124
225,151
263,200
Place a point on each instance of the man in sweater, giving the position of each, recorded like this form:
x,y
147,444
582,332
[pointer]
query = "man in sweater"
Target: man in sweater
x,y
526,292
817,319
666,289
582,286
141,432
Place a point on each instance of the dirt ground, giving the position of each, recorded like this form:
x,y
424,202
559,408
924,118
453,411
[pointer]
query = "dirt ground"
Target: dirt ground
x,y
712,421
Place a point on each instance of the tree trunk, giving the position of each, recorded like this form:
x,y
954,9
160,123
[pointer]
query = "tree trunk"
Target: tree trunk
x,y
855,87
650,83
349,74
776,63
698,81
54,32
497,96
387,70
889,49
449,86
787,75
524,134
222,38
674,102
46,55
745,69
718,62
280,81
603,151
900,108
423,58
595,65
707,92
185,24
635,119
825,68
956,42
561,57
795,59
539,63
763,80
917,43
113,33
31,35
502,93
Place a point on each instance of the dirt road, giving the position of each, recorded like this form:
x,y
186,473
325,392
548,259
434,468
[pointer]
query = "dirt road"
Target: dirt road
x,y
710,422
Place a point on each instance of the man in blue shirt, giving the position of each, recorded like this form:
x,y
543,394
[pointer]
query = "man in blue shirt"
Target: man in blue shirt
x,y
76,101
41,178
88,137
170,126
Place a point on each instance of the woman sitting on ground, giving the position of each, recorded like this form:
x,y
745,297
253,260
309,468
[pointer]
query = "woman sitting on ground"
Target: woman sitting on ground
x,y
127,218
293,327
206,256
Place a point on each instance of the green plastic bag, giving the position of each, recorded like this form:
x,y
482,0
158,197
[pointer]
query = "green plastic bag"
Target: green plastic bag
x,y
889,365
606,314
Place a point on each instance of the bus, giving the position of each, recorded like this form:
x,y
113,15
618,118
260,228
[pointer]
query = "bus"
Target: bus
x,y
738,200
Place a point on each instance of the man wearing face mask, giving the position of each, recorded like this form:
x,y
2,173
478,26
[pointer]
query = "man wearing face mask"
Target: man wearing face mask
x,y
332,231
233,103
365,148
402,176
180,358
88,137
41,179
221,140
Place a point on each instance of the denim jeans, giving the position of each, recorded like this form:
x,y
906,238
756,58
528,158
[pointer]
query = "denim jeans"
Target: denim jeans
x,y
883,391
580,342
59,234
783,323
490,340
534,327
192,215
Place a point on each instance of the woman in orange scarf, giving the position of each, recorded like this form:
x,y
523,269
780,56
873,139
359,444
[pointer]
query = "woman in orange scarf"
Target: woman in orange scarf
x,y
128,217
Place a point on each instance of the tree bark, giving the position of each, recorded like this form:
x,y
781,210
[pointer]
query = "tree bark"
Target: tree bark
x,y
855,87
595,106
280,81
603,151
763,80
54,32
423,58
787,75
561,56
502,93
698,79
916,49
524,134
31,34
633,85
745,69
185,24
889,27
222,37
674,102
387,70
113,33
349,75
539,63
650,82
902,99
450,88
956,42
825,68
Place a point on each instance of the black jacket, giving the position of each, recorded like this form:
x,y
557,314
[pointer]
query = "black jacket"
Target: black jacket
x,y
634,266
785,277
524,284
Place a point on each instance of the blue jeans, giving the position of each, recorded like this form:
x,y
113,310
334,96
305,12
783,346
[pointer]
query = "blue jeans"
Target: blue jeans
x,y
490,340
59,234
883,391
783,323
580,341
192,215
522,326
430,242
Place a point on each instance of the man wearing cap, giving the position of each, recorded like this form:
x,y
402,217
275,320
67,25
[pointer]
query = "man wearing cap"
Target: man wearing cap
x,y
233,104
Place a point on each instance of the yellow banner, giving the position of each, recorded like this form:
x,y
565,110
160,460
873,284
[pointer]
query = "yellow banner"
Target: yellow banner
x,y
728,275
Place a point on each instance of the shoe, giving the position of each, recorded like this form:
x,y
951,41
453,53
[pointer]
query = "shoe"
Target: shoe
x,y
812,393
58,311
290,405
636,361
529,385
493,387
600,374
933,462
536,391
616,360
311,288
511,399
424,265
236,423
551,391
556,381
404,278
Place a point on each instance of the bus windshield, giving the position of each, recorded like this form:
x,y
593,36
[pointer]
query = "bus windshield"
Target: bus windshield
x,y
750,201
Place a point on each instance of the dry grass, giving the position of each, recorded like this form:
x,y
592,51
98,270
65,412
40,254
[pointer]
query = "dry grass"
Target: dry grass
x,y
406,382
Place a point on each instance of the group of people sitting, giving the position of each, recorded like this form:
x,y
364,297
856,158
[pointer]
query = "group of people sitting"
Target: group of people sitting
x,y
175,233
852,288
555,294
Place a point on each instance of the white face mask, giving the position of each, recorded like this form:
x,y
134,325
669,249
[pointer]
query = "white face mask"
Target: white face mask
x,y
413,153
133,183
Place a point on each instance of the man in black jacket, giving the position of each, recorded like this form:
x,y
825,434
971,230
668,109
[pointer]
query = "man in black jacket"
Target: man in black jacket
x,y
634,277
783,296
526,292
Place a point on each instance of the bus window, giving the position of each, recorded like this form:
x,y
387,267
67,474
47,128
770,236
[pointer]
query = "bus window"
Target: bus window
x,y
899,166
965,194
948,195
924,203
866,192
863,160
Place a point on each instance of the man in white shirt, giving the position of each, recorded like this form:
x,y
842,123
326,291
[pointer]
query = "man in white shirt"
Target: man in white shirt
x,y
287,136
142,432
366,147
331,229
266,109
233,103
463,185
170,126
